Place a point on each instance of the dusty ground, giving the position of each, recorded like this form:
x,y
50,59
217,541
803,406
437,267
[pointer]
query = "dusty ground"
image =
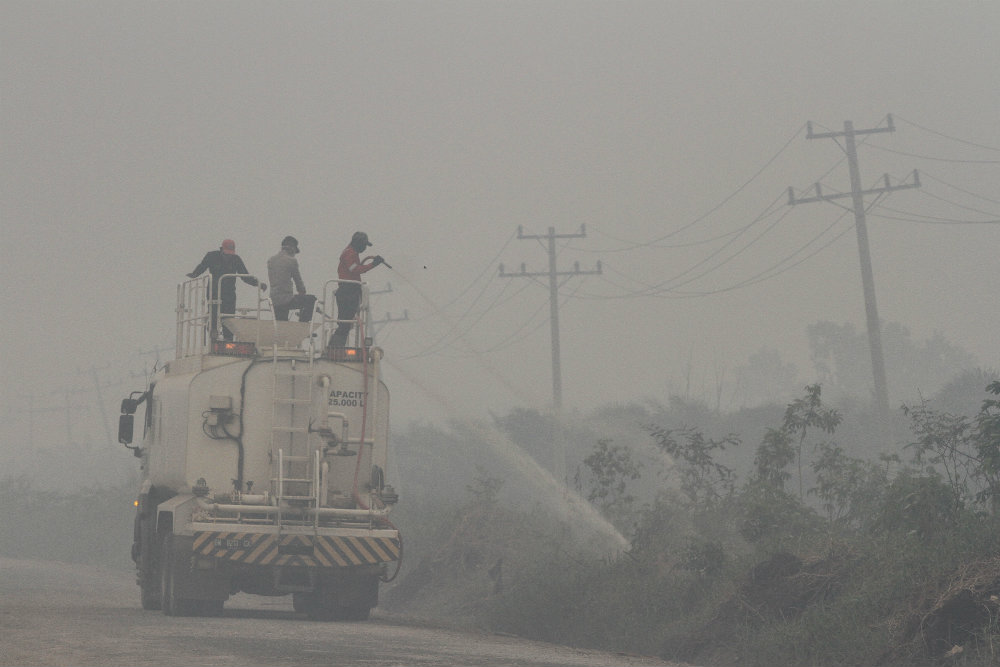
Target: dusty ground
x,y
62,614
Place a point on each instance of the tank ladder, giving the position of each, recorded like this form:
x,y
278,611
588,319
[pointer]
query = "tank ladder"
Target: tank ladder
x,y
295,468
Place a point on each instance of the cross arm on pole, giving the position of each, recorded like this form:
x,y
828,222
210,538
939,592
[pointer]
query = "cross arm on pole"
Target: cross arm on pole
x,y
552,235
577,271
820,196
890,127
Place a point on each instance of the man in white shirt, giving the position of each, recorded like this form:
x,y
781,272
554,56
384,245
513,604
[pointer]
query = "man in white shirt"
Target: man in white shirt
x,y
283,272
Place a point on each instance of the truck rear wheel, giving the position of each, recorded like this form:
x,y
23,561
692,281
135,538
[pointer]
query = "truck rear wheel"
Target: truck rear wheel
x,y
149,595
211,607
356,613
350,602
170,571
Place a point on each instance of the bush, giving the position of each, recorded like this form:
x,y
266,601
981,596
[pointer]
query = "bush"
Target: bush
x,y
92,526
864,562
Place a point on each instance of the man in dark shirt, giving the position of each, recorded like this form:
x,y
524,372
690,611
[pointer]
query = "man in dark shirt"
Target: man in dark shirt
x,y
219,263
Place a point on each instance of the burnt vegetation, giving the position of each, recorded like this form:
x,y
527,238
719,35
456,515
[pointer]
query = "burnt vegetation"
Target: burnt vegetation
x,y
776,534
799,547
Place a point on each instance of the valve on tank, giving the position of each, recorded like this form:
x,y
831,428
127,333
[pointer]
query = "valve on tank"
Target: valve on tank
x,y
389,495
200,488
334,444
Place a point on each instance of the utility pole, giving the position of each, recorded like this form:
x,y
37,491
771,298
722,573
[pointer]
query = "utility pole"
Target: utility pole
x,y
99,398
387,290
67,395
867,278
553,275
156,351
376,325
32,409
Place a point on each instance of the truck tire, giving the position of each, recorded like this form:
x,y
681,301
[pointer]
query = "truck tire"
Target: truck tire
x,y
211,607
318,605
149,575
363,596
356,613
166,580
149,595
346,603
170,570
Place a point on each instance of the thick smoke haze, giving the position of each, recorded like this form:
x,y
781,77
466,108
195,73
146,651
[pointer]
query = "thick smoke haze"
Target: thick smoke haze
x,y
137,135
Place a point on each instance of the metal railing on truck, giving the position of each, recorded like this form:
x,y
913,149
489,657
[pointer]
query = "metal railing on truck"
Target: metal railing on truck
x,y
200,320
199,306
359,323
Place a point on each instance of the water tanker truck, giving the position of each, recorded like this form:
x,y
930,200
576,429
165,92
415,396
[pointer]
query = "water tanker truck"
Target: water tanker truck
x,y
263,456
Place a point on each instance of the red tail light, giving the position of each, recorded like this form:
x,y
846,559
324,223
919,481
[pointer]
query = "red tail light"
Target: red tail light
x,y
233,349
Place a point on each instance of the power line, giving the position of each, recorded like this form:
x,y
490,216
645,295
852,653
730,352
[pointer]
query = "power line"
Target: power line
x,y
510,340
670,246
663,285
456,335
931,157
930,219
955,187
782,266
490,369
967,208
485,270
653,242
774,270
949,137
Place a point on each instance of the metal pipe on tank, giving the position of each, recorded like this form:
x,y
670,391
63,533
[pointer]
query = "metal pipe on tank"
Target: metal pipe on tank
x,y
324,483
273,509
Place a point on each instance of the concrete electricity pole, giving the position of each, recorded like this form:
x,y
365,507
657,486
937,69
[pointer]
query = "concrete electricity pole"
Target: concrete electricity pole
x,y
867,279
99,398
376,325
68,395
553,275
33,401
559,456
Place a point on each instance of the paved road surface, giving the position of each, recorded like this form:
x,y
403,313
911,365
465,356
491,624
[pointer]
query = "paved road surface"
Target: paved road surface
x,y
61,614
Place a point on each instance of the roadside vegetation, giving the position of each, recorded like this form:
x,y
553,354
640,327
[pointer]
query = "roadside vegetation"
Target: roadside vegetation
x,y
781,532
795,548
91,525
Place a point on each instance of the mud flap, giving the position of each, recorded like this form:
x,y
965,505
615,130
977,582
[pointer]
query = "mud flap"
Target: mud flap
x,y
197,577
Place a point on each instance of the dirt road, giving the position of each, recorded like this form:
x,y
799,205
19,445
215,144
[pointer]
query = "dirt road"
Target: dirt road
x,y
61,614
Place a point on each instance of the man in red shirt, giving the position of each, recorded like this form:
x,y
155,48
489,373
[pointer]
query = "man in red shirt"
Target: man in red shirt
x,y
349,293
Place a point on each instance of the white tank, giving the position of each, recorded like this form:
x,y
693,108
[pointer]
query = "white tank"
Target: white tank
x,y
202,415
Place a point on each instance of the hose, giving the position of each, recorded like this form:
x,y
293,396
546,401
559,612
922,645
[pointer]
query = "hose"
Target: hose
x,y
399,561
364,416
238,439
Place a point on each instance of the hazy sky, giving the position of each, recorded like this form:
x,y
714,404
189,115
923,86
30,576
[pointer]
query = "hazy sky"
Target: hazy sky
x,y
137,135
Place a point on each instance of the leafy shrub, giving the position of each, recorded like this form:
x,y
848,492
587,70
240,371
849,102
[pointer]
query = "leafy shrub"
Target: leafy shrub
x,y
92,526
813,557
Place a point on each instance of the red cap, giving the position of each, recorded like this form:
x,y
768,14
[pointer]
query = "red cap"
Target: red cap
x,y
229,247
